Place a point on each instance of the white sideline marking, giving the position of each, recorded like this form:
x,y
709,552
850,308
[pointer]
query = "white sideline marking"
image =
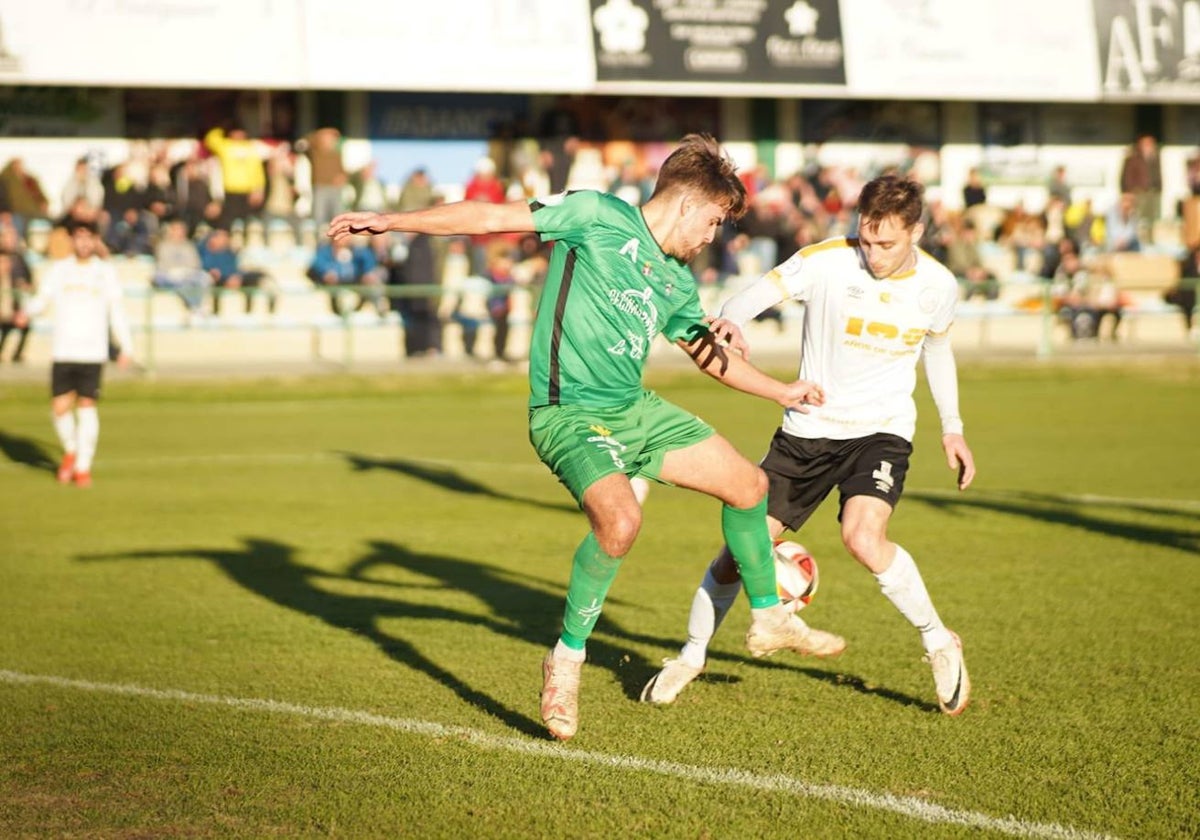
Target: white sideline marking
x,y
777,783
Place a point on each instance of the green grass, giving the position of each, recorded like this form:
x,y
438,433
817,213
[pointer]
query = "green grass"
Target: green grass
x,y
391,547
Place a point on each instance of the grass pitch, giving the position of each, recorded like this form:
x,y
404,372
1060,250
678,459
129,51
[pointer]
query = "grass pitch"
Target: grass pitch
x,y
317,609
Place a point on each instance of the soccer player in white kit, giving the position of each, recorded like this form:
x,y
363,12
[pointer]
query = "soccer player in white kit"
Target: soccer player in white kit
x,y
872,305
85,294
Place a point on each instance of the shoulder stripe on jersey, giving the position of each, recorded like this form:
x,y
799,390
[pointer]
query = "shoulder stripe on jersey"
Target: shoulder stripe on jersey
x,y
827,245
560,307
776,278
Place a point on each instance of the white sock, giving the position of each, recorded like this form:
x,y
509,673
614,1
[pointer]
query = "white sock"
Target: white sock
x,y
561,651
901,583
641,488
64,427
89,435
709,607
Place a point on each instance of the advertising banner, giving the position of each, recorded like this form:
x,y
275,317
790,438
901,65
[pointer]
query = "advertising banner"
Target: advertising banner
x,y
497,46
165,43
761,42
1149,47
1023,50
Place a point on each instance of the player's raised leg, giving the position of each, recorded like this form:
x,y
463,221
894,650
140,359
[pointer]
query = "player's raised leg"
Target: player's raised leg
x,y
714,467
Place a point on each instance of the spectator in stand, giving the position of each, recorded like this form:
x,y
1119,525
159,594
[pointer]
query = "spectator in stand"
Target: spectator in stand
x,y
159,199
23,194
243,177
1141,176
465,298
280,203
414,264
121,192
130,235
194,193
1024,234
1122,225
16,283
351,262
559,131
177,267
323,148
417,192
1184,295
499,302
768,226
484,185
1084,300
220,260
1055,254
1193,176
939,229
966,263
974,192
83,186
1059,187
370,193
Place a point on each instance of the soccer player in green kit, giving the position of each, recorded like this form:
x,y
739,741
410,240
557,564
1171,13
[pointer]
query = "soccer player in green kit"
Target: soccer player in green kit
x,y
618,277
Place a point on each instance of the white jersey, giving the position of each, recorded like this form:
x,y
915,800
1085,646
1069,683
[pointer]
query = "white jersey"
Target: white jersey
x,y
862,337
86,300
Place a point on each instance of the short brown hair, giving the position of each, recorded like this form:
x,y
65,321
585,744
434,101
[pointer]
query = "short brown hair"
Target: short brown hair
x,y
700,164
891,195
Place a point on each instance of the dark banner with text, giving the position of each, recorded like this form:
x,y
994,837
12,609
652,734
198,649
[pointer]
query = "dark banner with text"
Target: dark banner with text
x,y
1149,48
747,41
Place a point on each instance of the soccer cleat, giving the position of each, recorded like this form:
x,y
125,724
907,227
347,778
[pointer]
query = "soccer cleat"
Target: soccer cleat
x,y
950,676
775,633
560,696
674,677
83,479
66,468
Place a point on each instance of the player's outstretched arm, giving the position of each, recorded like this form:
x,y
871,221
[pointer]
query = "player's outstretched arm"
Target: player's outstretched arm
x,y
733,371
456,218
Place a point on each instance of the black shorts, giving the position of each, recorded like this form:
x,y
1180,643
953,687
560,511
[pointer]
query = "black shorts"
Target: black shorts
x,y
81,377
802,472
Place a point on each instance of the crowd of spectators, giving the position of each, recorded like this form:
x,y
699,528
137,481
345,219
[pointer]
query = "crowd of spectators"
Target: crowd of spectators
x,y
187,206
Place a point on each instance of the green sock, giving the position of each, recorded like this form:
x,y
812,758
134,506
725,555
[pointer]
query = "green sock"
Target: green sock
x,y
749,540
592,572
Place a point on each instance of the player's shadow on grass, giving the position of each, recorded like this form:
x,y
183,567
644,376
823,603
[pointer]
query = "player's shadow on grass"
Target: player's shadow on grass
x,y
786,662
447,479
26,451
514,608
1064,511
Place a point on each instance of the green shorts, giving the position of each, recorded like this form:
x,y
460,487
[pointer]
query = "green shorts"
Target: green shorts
x,y
581,445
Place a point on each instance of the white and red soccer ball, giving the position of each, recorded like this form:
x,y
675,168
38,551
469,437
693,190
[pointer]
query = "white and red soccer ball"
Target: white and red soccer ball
x,y
795,574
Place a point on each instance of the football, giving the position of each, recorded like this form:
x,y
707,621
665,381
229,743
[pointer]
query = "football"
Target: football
x,y
795,574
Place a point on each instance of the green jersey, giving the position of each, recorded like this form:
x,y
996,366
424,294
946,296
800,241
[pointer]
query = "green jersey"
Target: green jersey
x,y
609,291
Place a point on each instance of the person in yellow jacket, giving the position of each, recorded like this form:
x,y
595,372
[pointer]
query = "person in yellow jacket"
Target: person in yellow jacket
x,y
243,176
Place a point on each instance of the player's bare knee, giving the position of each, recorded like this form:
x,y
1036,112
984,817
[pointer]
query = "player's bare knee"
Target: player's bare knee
x,y
751,490
864,545
616,536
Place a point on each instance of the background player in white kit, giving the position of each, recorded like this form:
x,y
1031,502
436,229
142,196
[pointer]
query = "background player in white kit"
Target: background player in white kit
x,y
873,304
85,295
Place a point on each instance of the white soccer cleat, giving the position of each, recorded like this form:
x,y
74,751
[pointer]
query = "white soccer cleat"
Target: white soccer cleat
x,y
674,677
783,631
560,696
950,676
